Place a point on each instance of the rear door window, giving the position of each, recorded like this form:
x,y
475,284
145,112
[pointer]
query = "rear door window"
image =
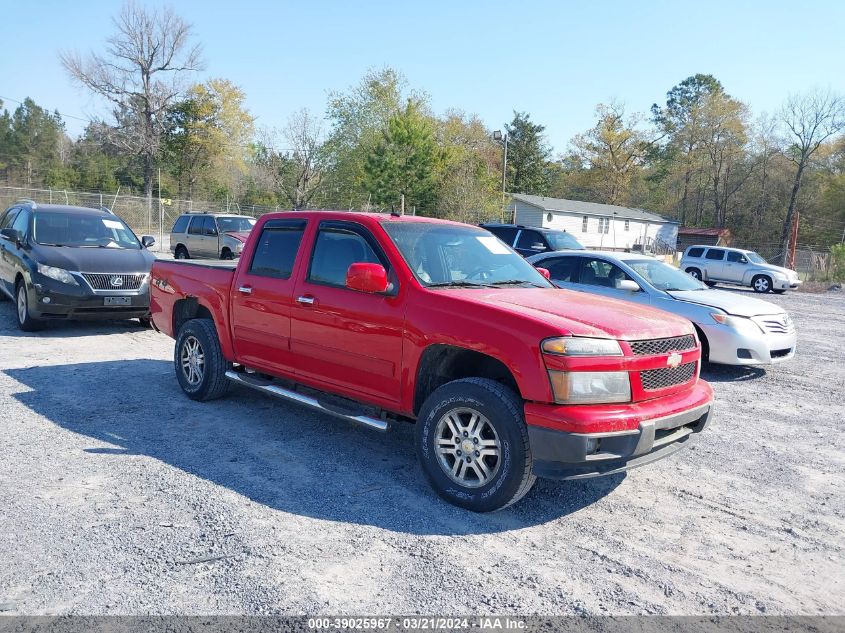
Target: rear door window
x,y
196,225
181,224
505,233
695,252
277,247
716,254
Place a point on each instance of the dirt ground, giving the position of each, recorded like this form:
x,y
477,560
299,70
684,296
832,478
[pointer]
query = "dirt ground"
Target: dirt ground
x,y
121,496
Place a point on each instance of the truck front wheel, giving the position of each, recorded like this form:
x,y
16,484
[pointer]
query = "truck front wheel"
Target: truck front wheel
x,y
473,444
199,362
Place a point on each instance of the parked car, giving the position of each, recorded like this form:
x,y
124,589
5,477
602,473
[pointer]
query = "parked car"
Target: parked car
x,y
712,264
61,262
532,240
209,235
734,329
379,319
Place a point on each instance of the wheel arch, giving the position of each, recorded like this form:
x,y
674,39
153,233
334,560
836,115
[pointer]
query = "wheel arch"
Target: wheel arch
x,y
443,363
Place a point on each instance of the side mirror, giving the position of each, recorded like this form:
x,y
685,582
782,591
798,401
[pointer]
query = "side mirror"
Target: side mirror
x,y
628,284
11,234
537,246
742,260
366,277
147,241
545,272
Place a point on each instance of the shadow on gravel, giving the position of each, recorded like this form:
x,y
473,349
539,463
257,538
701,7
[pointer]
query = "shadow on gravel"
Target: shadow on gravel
x,y
71,329
276,454
731,373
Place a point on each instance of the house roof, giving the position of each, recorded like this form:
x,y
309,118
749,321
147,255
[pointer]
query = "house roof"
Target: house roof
x,y
589,208
697,231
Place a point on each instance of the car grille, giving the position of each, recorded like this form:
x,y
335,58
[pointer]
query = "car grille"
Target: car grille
x,y
662,345
104,281
653,379
775,323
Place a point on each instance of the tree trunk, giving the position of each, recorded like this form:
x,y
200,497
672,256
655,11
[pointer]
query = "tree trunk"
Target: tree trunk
x,y
786,235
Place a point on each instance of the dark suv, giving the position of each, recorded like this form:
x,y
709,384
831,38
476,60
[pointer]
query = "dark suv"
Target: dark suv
x,y
61,262
530,240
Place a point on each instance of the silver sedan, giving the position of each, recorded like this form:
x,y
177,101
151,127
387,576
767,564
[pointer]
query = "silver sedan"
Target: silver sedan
x,y
734,329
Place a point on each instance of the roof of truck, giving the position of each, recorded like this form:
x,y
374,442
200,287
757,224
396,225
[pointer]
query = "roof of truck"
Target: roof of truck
x,y
348,215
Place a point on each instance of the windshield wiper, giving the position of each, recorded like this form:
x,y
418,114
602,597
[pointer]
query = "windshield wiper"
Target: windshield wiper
x,y
514,282
457,284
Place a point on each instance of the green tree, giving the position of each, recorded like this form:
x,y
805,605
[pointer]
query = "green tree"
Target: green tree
x,y
405,161
528,156
31,140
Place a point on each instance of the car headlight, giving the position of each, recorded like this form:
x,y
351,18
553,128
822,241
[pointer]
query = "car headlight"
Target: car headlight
x,y
239,246
59,274
576,346
590,387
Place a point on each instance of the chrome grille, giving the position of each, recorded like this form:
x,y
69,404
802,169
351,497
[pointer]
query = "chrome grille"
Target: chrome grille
x,y
115,281
775,323
662,345
653,379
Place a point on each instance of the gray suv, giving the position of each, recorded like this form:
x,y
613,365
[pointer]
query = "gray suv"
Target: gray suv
x,y
209,235
712,264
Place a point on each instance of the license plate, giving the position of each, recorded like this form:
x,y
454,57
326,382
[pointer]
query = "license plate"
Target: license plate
x,y
117,301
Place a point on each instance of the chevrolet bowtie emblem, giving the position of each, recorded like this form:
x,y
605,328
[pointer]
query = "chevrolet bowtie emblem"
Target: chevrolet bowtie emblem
x,y
673,360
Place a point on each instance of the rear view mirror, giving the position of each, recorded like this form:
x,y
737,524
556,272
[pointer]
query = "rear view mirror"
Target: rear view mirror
x,y
366,277
545,272
627,284
11,235
147,241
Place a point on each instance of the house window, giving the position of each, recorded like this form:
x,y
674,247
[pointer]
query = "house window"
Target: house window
x,y
604,225
627,224
584,224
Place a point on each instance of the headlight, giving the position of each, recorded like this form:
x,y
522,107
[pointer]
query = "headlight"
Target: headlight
x,y
239,246
570,346
590,387
59,274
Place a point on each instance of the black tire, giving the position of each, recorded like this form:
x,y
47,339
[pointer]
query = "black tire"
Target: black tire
x,y
501,410
211,382
145,322
181,253
25,322
761,283
694,273
226,254
779,291
705,345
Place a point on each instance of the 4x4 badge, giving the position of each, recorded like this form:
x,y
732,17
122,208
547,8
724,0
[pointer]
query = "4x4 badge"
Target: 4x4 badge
x,y
673,360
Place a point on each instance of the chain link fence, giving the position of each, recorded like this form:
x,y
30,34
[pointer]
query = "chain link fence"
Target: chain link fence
x,y
812,262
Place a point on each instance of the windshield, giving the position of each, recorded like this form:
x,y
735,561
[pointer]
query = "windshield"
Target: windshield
x,y
235,225
561,241
458,255
755,258
54,228
663,276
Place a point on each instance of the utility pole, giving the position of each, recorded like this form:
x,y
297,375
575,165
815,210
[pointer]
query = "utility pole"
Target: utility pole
x,y
498,135
793,242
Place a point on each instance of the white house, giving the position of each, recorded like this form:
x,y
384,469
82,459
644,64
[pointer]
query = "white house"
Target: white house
x,y
600,226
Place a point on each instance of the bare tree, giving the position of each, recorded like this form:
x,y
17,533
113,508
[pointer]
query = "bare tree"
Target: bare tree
x,y
298,168
812,118
143,71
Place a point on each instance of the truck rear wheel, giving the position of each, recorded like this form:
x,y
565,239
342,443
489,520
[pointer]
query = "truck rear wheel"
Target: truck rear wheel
x,y
199,362
473,446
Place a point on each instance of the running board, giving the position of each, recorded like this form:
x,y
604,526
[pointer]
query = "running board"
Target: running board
x,y
293,396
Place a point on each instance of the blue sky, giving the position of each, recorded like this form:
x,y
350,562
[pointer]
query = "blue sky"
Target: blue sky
x,y
556,60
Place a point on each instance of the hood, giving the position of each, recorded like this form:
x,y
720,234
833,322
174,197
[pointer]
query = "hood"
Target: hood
x,y
95,260
578,313
238,235
731,302
790,274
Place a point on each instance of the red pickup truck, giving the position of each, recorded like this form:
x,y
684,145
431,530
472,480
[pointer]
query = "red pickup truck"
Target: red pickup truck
x,y
378,319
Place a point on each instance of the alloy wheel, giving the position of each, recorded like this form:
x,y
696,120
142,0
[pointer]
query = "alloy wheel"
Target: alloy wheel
x,y
468,448
22,307
192,360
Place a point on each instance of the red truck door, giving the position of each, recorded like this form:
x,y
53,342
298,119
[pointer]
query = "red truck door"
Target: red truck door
x,y
348,339
262,297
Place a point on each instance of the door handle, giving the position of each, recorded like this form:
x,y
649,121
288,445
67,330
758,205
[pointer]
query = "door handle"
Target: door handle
x,y
247,290
305,300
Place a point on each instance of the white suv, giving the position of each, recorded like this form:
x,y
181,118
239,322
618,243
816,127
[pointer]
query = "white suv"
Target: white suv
x,y
712,264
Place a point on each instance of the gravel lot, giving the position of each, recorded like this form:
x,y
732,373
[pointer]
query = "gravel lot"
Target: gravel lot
x,y
121,496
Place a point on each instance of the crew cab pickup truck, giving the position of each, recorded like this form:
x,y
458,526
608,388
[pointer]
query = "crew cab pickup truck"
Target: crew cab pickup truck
x,y
381,319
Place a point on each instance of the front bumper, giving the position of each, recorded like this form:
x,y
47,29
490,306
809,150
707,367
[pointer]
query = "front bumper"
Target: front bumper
x,y
748,346
79,303
602,440
785,284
